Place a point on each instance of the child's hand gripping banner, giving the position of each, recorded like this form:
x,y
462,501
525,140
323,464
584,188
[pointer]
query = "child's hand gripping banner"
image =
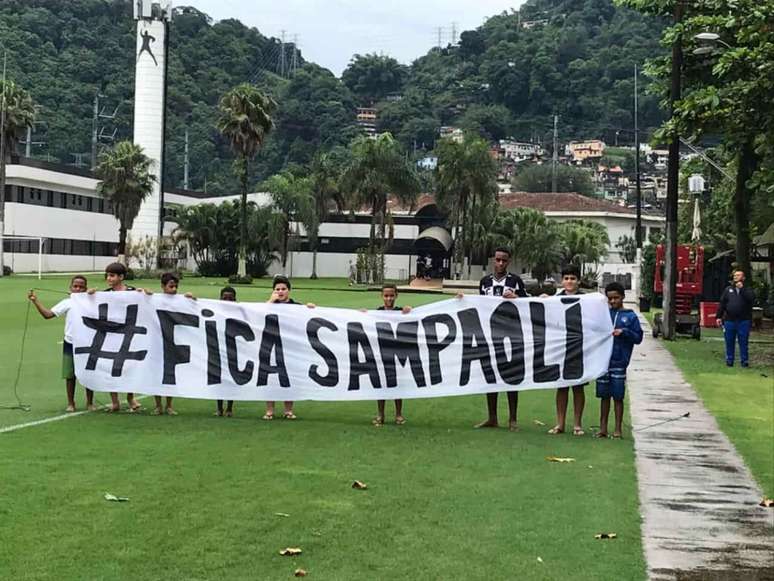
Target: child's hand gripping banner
x,y
174,346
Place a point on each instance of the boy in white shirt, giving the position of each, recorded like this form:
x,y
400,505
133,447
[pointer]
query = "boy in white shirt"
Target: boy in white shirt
x,y
77,285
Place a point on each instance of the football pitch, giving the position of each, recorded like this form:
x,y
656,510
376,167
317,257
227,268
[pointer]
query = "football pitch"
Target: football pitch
x,y
219,498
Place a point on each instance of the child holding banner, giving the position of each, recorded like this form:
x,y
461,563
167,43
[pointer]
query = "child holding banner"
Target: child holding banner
x,y
115,272
627,333
78,284
280,295
169,285
389,296
570,286
227,293
501,283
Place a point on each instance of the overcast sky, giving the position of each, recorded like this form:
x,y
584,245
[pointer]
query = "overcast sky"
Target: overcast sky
x,y
331,31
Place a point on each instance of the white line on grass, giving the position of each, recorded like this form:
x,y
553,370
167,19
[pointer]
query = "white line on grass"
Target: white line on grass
x,y
53,419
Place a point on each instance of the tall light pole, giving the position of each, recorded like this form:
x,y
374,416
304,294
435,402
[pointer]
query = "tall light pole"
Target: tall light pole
x,y
638,194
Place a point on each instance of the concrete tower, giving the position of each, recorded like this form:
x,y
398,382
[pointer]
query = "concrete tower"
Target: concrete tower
x,y
149,103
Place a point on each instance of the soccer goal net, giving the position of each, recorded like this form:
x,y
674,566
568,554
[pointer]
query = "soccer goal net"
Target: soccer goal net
x,y
13,246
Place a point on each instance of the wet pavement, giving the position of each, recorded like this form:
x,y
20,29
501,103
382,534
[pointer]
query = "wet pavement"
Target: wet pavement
x,y
699,502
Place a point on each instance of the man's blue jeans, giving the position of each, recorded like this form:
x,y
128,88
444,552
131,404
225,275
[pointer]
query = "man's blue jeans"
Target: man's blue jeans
x,y
732,330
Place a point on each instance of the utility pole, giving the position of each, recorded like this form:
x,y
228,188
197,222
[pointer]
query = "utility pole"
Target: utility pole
x,y
30,142
185,162
294,58
282,55
638,190
2,171
94,131
555,157
673,174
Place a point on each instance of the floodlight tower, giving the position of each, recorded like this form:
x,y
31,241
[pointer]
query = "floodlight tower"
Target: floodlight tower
x,y
153,19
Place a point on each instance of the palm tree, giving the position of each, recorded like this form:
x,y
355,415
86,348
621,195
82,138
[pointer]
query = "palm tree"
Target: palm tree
x,y
379,169
292,198
18,113
125,180
532,238
245,121
584,242
466,178
326,178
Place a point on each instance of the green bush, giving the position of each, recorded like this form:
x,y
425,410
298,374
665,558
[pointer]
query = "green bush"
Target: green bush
x,y
236,279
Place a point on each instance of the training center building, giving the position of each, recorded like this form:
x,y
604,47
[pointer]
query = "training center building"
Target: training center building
x,y
59,206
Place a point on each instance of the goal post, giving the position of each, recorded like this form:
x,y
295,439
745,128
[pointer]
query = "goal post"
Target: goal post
x,y
40,241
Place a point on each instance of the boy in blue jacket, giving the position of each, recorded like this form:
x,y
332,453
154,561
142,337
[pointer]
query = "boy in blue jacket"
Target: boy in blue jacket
x,y
626,334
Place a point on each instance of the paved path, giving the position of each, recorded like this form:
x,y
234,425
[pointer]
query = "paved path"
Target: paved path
x,y
699,502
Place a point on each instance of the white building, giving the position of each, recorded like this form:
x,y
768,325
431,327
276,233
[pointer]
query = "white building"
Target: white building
x,y
519,150
61,205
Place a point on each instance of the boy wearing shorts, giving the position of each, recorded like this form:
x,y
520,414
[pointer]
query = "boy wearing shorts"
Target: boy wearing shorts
x,y
389,296
626,334
227,293
114,276
77,285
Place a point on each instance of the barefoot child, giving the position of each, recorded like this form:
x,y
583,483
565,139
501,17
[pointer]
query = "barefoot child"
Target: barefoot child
x,y
227,293
281,296
626,334
570,282
501,283
114,276
389,296
77,285
169,284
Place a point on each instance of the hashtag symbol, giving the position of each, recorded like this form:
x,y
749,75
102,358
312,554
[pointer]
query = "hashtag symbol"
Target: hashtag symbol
x,y
103,326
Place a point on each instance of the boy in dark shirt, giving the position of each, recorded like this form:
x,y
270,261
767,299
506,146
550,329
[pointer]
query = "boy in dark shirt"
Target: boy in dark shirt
x,y
626,334
503,284
389,296
570,286
227,293
280,295
114,276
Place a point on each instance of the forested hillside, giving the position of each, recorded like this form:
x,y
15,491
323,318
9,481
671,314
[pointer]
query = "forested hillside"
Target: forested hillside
x,y
507,77
571,58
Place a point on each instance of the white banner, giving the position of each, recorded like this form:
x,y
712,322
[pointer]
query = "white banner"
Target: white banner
x,y
170,345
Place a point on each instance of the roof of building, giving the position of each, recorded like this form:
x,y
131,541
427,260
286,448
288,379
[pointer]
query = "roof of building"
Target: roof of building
x,y
565,202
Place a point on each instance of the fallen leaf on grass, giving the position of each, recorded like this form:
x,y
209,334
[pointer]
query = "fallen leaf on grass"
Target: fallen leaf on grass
x,y
299,573
281,514
606,536
358,485
114,498
766,503
538,423
540,560
558,459
290,552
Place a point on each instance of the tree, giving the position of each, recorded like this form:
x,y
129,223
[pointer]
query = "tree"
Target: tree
x,y
379,168
125,180
466,179
212,235
245,121
18,113
537,178
326,172
533,239
627,245
372,77
583,242
292,199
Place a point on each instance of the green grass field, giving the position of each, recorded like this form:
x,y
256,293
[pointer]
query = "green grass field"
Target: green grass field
x,y
443,501
742,400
